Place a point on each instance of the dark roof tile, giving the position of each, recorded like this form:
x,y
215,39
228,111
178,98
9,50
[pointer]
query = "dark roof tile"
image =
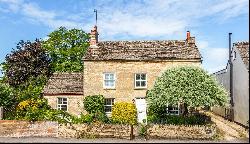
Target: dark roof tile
x,y
59,83
143,50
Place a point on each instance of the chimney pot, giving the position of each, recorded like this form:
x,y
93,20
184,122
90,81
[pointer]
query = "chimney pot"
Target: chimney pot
x,y
94,36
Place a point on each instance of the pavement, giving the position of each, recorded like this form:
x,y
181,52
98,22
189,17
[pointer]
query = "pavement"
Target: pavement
x,y
108,140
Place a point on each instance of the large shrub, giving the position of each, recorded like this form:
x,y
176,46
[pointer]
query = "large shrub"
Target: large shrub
x,y
189,85
94,104
124,112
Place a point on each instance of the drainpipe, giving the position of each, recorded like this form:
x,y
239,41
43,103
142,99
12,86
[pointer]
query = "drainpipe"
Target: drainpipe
x,y
231,79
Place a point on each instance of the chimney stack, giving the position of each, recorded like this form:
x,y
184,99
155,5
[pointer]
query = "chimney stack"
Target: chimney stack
x,y
188,35
189,39
94,36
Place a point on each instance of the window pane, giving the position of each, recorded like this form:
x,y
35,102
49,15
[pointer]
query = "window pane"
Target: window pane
x,y
106,76
59,100
111,83
106,83
137,83
64,107
107,101
107,108
137,76
143,76
111,76
143,83
64,100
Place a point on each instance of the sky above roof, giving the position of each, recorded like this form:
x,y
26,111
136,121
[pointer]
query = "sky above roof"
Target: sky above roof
x,y
209,21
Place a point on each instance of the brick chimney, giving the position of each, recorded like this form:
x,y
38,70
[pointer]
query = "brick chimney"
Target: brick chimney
x,y
94,36
188,35
190,39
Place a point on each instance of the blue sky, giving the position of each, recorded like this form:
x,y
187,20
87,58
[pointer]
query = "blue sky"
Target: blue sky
x,y
209,21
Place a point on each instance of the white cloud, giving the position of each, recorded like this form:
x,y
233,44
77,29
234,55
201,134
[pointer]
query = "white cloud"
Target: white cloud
x,y
214,59
135,18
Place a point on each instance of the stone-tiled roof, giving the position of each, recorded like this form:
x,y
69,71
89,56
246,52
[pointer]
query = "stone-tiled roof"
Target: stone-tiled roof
x,y
243,48
64,83
143,50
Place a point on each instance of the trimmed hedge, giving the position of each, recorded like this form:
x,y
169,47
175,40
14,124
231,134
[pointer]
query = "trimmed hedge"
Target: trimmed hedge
x,y
124,113
196,119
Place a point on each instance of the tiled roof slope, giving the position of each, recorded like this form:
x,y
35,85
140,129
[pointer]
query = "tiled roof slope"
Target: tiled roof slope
x,y
64,83
243,48
143,50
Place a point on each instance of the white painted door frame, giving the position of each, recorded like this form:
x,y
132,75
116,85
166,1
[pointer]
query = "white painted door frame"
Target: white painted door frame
x,y
141,107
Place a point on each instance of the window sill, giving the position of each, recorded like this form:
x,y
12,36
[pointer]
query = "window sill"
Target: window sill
x,y
109,88
144,88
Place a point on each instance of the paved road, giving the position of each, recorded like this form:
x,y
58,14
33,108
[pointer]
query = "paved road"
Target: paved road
x,y
105,140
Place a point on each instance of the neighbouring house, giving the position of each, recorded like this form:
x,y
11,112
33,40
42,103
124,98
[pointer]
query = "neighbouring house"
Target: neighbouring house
x,y
240,78
125,70
64,91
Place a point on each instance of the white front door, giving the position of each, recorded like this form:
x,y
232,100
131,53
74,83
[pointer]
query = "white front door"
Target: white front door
x,y
141,109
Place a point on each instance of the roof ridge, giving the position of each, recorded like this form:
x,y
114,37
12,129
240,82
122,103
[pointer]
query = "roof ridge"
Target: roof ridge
x,y
140,41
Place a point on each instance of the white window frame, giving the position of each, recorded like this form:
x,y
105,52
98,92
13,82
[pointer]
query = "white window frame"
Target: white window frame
x,y
169,111
108,113
140,87
108,87
58,105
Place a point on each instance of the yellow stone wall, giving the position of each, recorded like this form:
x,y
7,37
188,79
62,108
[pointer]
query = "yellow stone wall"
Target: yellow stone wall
x,y
124,72
75,103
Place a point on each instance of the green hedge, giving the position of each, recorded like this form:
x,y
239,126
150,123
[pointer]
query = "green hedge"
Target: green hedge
x,y
196,119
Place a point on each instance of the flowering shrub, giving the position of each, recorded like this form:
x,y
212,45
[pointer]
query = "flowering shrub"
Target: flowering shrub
x,y
124,112
32,109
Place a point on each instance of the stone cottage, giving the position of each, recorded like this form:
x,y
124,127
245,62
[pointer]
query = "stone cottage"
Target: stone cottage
x,y
125,70
240,88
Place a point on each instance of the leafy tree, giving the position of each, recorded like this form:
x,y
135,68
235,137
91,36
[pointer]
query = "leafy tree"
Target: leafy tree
x,y
187,84
66,48
29,60
6,95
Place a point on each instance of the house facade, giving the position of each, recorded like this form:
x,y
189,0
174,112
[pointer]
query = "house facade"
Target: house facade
x,y
125,70
240,78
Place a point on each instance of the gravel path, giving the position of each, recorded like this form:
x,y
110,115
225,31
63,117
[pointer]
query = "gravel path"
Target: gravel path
x,y
107,140
230,129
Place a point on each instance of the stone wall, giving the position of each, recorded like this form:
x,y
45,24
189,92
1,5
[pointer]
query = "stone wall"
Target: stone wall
x,y
75,103
95,131
181,132
125,76
15,128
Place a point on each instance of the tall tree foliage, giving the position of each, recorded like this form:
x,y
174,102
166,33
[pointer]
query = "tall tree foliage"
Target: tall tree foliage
x,y
189,85
7,97
66,48
28,60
